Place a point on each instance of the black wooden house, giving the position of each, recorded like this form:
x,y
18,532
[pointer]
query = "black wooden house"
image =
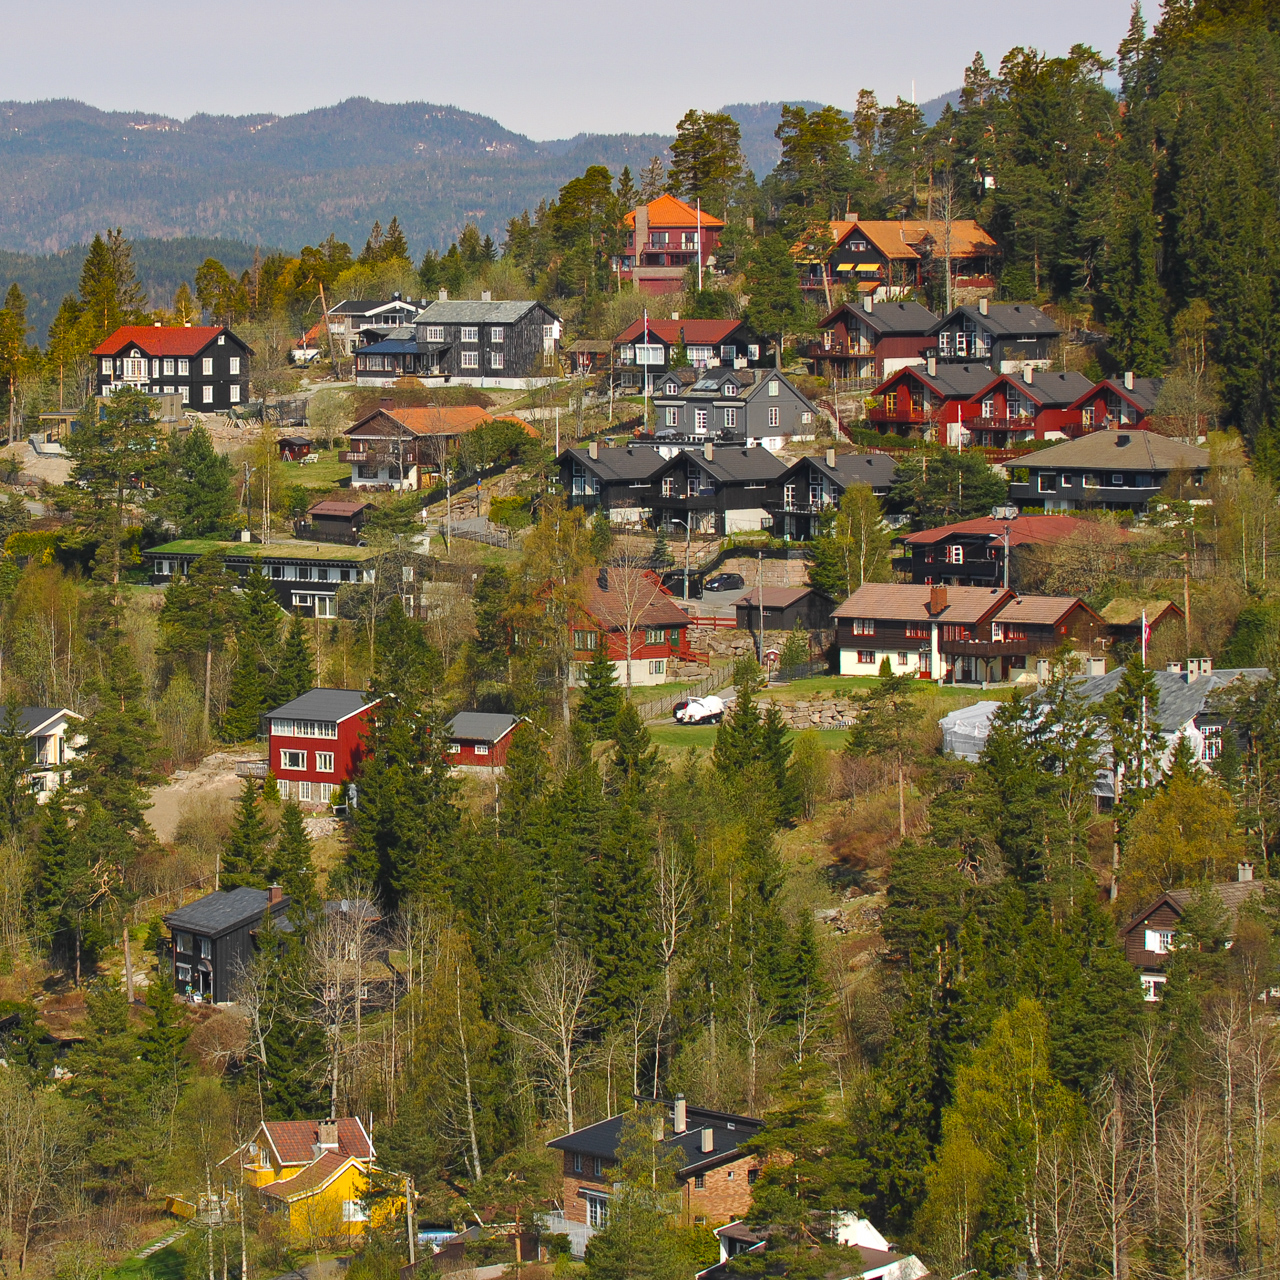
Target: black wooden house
x,y
214,935
1006,337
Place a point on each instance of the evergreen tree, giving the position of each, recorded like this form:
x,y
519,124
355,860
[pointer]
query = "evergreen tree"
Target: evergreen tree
x,y
296,673
407,665
738,739
660,557
775,753
196,615
943,488
257,658
601,536
886,723
635,758
17,804
394,244
201,500
244,860
291,865
602,699
63,894
772,284
852,546
166,1036
245,697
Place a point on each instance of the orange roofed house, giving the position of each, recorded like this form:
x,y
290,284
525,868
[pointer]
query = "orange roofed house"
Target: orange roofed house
x,y
312,1174
206,365
958,635
397,449
891,259
715,1176
663,241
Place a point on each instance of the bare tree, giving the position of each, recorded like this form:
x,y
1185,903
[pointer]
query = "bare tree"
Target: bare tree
x,y
1193,1178
1112,1167
674,899
554,1002
755,1020
622,597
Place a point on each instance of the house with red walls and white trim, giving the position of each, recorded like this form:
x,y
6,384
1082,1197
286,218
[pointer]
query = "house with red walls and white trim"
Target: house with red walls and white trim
x,y
480,739
317,741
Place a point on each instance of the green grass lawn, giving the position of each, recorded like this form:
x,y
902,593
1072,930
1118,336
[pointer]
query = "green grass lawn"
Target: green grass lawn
x,y
168,1263
324,474
674,739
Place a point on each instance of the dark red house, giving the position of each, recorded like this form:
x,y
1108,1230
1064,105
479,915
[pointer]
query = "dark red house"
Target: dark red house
x,y
1118,402
872,340
481,738
1036,404
316,742
927,400
619,603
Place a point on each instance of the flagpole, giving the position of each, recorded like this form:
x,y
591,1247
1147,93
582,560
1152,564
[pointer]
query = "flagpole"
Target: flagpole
x,y
699,243
1144,639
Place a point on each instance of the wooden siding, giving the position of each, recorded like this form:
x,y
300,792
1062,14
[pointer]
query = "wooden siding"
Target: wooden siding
x,y
1163,916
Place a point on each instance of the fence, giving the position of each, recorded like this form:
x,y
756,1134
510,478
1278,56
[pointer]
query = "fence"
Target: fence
x,y
713,624
495,537
660,708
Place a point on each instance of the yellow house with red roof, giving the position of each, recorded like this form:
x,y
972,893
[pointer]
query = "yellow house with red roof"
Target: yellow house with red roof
x,y
313,1174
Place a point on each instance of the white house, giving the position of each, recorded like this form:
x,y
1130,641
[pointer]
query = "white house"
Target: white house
x,y
53,738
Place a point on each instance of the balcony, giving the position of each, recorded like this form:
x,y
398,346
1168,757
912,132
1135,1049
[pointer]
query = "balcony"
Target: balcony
x,y
911,413
837,350
988,648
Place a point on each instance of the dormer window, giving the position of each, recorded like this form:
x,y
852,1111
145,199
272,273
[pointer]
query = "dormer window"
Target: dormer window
x,y
731,388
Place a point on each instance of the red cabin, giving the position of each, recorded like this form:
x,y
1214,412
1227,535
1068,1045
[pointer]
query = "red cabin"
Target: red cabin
x,y
317,741
1035,405
1118,402
481,738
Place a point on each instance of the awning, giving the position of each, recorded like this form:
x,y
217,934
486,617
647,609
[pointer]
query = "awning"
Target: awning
x,y
845,266
868,266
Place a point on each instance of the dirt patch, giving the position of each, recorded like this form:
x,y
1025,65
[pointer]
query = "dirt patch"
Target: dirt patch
x,y
215,775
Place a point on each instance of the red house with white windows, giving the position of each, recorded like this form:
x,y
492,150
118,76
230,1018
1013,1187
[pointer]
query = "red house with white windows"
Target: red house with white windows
x,y
480,739
664,238
206,365
317,741
1118,402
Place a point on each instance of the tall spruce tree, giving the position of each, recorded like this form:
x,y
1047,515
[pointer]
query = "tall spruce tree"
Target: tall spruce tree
x,y
635,758
244,859
257,658
296,673
601,697
201,500
291,864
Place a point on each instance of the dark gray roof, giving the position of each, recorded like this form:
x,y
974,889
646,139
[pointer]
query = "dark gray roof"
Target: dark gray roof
x,y
465,312
729,463
1144,393
323,704
952,379
216,913
890,317
635,462
766,377
391,347
1125,449
728,1133
875,469
482,726
33,718
1179,701
1048,389
1008,320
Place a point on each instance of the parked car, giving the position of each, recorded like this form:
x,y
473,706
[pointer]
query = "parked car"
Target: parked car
x,y
725,582
673,580
709,710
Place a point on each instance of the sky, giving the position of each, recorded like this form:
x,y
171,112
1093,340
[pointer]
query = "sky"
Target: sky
x,y
544,68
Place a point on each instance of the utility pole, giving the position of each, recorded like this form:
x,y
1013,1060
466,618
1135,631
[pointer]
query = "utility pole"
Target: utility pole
x,y
760,599
688,535
699,244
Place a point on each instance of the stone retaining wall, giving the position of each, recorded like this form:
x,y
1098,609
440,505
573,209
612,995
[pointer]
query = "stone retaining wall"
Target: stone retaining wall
x,y
821,711
776,573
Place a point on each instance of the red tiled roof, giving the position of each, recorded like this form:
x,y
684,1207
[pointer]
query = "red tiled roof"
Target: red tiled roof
x,y
695,331
1022,531
637,592
160,340
312,1178
293,1140
669,211
436,420
894,602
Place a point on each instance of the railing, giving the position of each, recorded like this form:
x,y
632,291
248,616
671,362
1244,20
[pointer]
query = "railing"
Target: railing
x,y
879,413
252,769
988,648
816,350
713,624
490,537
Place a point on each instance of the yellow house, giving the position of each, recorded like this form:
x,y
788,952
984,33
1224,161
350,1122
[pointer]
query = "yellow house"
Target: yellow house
x,y
313,1174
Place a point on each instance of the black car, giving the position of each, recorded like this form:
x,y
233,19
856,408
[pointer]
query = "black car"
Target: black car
x,y
725,582
673,580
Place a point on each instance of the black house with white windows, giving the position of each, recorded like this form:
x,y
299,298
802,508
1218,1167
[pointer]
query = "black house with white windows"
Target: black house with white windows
x,y
485,343
1007,337
207,365
214,936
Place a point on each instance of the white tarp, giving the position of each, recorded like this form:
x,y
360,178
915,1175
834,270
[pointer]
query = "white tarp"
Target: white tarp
x,y
964,732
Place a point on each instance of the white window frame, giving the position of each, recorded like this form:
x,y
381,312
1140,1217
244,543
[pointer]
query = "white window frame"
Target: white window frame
x,y
862,626
730,418
481,748
495,359
435,333
324,761
954,553
234,391
753,351
235,366
775,416
673,416
304,791
354,1211
287,754
658,666
469,333
469,360
1047,482
207,365
495,334
1152,985
206,395
326,792
184,368
107,367
773,386
1158,941
699,419
168,366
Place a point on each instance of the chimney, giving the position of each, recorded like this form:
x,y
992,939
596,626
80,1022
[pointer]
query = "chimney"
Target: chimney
x,y
386,402
931,365
682,1114
328,1139
1028,374
659,1130
937,599
186,324
1244,872
868,305
602,578
158,325
245,535
593,450
675,315
486,295
709,451
831,457
982,306
709,1135
275,894
1128,379
444,295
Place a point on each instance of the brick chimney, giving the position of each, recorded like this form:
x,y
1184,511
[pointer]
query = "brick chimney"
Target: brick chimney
x,y
682,1114
275,895
328,1135
937,599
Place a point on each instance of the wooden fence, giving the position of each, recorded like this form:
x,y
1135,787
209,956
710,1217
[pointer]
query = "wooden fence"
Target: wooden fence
x,y
660,708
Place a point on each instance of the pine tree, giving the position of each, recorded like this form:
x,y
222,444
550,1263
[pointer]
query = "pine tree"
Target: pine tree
x,y
245,698
775,752
406,664
738,737
635,758
371,254
166,1036
201,498
601,697
244,861
196,615
257,657
394,245
297,671
291,865
661,557
17,804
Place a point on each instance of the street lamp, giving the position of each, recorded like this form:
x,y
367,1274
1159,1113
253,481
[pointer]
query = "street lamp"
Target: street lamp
x,y
688,532
1008,515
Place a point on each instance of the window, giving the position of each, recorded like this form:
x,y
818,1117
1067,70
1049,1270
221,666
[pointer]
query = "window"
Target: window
x,y
495,334
325,607
673,417
775,416
206,395
326,792
184,973
952,631
1067,481
597,1164
752,1175
658,667
107,366
168,391
1159,941
653,353
700,1181
862,626
597,1211
728,351
222,339
406,603
916,632
1151,985
989,407
135,369
495,359
1117,480
668,486
234,390
753,351
577,1155
470,333
184,367
168,366
655,635
207,366
773,386
866,655
1086,417
304,791
730,389
955,553
903,658
186,394
182,942
455,748
806,418
206,948
1089,480
1048,484
1211,745
354,1211
700,419
470,360
435,333
324,761
588,640
234,365
482,749
293,759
